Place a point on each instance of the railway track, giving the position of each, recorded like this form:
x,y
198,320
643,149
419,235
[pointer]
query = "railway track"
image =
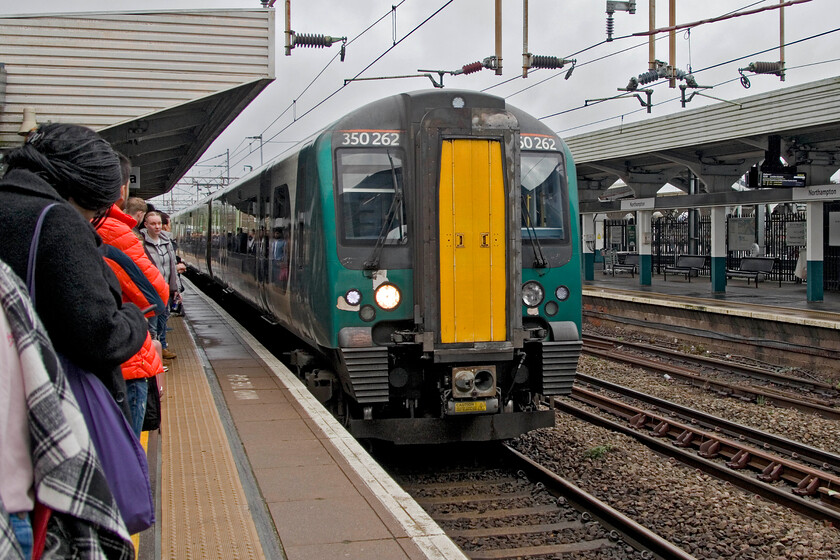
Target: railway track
x,y
610,349
796,476
724,366
518,509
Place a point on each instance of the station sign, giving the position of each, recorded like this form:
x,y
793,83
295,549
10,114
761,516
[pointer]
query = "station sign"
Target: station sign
x,y
824,192
134,179
639,204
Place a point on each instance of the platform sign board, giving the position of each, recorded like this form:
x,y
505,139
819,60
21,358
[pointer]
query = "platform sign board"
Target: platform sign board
x,y
824,192
795,234
741,234
834,229
134,181
639,204
783,179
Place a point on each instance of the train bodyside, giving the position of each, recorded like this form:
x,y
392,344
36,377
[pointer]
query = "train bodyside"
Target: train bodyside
x,y
397,243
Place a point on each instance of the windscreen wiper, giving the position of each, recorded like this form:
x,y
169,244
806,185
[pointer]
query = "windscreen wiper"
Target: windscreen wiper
x,y
539,257
396,208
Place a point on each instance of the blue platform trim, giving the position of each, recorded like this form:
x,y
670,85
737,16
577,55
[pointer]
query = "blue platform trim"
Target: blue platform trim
x,y
718,274
815,280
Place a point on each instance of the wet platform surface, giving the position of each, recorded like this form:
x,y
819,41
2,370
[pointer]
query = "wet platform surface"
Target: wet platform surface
x,y
252,466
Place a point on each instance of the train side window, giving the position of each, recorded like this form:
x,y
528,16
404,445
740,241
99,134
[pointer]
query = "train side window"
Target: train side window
x,y
544,196
368,181
281,229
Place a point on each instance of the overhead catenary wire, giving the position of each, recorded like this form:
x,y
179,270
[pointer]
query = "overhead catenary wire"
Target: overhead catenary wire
x,y
615,53
666,101
377,59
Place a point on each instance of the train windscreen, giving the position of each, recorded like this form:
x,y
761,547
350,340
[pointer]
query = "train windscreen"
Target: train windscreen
x,y
543,192
368,184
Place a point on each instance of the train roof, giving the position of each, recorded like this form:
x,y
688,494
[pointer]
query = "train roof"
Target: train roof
x,y
392,111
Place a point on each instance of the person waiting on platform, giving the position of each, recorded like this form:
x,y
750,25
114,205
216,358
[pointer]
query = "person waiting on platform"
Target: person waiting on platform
x,y
136,208
176,306
159,249
42,431
142,285
75,173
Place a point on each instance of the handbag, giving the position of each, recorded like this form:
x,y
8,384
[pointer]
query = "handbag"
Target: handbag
x,y
122,457
151,421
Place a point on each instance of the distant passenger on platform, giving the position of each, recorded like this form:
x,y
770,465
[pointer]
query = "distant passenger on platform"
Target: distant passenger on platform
x,y
755,250
136,208
801,270
42,431
75,173
176,306
144,286
159,249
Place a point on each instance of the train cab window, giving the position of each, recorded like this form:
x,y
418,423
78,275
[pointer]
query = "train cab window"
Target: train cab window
x,y
544,197
368,182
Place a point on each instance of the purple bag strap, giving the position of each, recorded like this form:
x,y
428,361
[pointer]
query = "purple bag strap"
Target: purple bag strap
x,y
33,252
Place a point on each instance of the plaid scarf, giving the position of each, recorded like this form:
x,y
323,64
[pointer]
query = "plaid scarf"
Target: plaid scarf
x,y
68,478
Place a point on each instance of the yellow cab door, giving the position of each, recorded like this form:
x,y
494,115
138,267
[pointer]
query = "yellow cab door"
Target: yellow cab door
x,y
473,283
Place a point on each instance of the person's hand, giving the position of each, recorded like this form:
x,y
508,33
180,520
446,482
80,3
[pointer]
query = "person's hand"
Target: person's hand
x,y
180,268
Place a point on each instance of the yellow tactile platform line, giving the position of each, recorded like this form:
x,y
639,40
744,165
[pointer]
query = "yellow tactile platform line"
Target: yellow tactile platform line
x,y
204,511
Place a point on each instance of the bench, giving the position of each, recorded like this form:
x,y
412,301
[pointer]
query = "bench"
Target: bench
x,y
688,265
630,264
753,268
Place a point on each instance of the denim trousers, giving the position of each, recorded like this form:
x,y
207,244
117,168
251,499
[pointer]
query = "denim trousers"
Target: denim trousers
x,y
22,527
136,391
157,326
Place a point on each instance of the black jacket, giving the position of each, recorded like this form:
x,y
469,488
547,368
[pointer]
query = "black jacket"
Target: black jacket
x,y
77,295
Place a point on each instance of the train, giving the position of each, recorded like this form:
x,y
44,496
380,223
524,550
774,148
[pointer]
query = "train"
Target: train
x,y
425,249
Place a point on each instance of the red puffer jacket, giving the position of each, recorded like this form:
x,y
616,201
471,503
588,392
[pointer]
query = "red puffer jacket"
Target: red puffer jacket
x,y
116,231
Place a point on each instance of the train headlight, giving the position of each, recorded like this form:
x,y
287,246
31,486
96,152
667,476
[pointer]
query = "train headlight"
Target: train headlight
x,y
562,293
387,296
353,297
532,294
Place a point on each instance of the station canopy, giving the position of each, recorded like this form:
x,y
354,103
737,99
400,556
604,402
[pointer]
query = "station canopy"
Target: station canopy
x,y
159,85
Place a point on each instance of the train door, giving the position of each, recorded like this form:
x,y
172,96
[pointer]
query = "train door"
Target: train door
x,y
472,241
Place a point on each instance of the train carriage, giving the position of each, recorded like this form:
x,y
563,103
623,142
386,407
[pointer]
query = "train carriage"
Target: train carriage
x,y
426,248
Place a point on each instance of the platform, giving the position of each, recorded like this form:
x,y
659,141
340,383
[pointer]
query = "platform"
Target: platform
x,y
251,465
771,323
789,300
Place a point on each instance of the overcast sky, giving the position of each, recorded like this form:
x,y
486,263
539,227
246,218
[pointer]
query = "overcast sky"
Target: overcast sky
x,y
463,32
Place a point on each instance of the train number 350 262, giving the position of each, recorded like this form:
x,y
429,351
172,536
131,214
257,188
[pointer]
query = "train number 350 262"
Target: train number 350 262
x,y
370,138
528,142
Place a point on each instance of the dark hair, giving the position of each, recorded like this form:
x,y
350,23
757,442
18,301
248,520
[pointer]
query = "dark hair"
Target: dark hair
x,y
125,168
164,217
74,160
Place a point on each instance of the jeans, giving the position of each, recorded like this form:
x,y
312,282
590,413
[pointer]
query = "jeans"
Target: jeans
x,y
23,531
136,391
157,326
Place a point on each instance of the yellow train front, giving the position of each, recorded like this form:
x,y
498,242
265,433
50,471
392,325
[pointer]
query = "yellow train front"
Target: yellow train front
x,y
430,261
